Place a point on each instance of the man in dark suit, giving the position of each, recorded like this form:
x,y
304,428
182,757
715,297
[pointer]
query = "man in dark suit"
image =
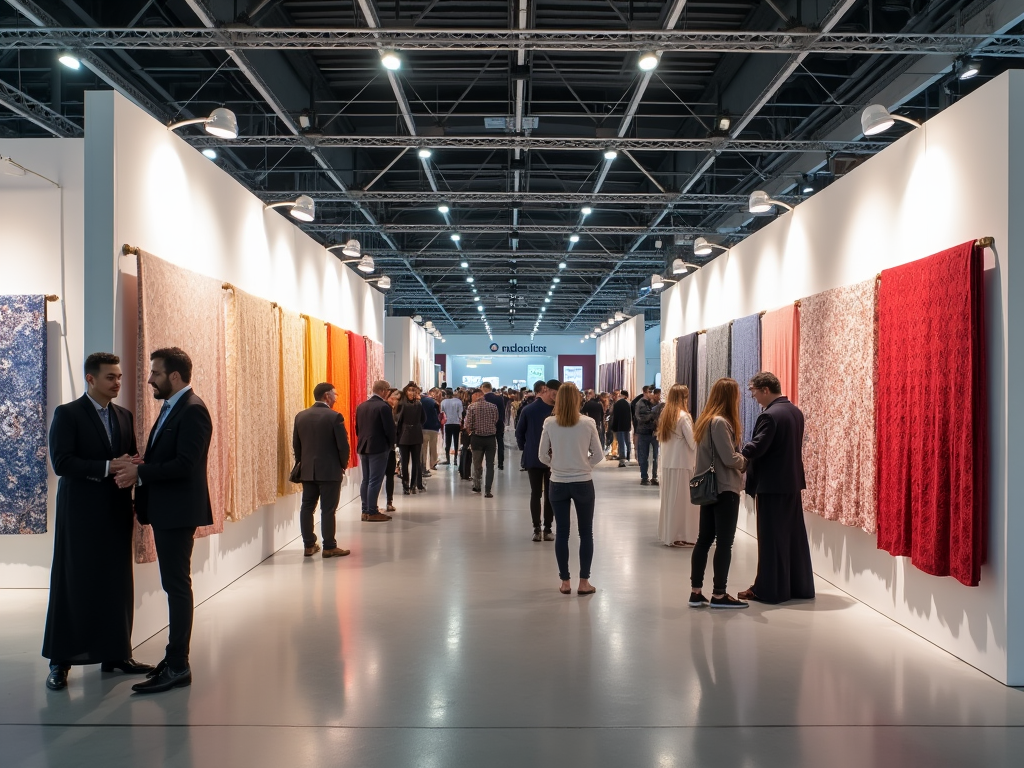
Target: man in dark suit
x,y
92,600
320,444
620,423
528,431
173,496
775,477
375,437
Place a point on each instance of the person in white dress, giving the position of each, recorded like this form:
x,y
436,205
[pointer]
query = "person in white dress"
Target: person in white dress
x,y
679,519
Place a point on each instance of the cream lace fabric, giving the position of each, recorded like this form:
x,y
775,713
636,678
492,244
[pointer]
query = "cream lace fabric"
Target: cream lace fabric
x,y
292,331
668,364
838,349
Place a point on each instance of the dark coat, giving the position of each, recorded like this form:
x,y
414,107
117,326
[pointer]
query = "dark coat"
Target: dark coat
x,y
775,450
632,408
498,402
174,492
646,416
320,444
375,426
528,429
432,413
594,410
409,420
92,600
622,418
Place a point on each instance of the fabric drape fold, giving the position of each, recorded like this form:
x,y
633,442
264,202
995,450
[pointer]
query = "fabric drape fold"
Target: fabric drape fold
x,y
780,348
253,355
356,389
668,364
719,353
23,439
703,388
374,364
291,377
932,413
837,383
337,370
746,361
686,368
180,308
315,357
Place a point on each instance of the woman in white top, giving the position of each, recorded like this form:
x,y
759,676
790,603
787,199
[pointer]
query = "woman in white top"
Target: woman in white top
x,y
679,520
571,447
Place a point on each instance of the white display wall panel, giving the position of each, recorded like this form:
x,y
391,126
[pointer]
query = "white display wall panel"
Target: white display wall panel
x,y
146,187
408,341
958,178
624,341
41,248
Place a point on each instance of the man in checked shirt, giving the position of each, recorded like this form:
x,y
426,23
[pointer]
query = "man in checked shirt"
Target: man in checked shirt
x,y
481,426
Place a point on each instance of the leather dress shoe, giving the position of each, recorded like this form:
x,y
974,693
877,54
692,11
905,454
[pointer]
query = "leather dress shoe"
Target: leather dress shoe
x,y
128,666
57,680
164,679
334,552
310,551
376,518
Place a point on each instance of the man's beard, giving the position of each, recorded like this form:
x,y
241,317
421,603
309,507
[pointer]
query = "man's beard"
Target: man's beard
x,y
159,394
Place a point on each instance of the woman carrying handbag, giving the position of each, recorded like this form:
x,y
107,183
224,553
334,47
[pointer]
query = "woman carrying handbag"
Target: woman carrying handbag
x,y
409,421
716,485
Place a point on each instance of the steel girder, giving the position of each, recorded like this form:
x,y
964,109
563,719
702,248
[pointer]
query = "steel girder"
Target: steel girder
x,y
499,228
248,38
515,198
36,112
564,143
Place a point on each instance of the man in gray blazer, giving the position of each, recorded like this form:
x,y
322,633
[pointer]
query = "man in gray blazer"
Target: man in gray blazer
x,y
320,444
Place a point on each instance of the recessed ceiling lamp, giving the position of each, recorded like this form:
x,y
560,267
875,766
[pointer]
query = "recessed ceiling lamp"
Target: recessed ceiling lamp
x,y
680,267
390,60
586,210
875,119
221,123
648,61
302,208
610,154
968,69
574,238
443,208
210,153
760,202
424,153
70,60
456,237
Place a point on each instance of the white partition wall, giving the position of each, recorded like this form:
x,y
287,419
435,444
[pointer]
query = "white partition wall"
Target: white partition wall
x,y
413,351
625,341
958,178
142,185
41,253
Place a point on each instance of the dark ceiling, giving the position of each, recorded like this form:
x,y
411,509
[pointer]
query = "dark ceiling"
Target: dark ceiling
x,y
515,191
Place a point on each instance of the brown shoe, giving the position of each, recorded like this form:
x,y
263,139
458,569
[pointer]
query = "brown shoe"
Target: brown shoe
x,y
377,518
747,594
310,551
391,508
336,552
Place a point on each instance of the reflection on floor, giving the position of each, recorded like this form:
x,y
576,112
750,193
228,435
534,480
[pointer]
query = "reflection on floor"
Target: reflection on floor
x,y
443,641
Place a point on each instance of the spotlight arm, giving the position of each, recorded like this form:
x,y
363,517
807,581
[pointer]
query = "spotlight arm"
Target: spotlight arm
x,y
183,123
268,206
907,120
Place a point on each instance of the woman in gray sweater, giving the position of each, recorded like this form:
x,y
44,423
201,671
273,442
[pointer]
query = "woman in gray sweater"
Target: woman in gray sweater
x,y
717,433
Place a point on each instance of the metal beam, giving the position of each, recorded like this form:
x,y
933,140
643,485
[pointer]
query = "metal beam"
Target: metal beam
x,y
677,41
516,198
499,228
36,112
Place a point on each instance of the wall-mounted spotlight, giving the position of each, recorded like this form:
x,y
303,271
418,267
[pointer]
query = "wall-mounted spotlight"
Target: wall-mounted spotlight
x,y
302,208
658,282
968,68
620,316
350,248
210,153
417,318
875,119
760,202
390,60
680,267
701,247
221,123
383,282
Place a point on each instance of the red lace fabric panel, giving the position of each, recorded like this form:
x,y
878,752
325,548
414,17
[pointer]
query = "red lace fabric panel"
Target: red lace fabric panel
x,y
837,385
932,414
780,348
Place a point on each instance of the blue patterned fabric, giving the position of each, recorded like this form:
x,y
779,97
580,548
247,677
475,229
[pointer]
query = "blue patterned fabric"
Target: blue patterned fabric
x,y
746,361
23,471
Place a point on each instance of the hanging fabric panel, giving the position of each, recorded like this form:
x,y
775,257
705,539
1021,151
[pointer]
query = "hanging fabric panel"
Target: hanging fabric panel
x,y
357,389
292,339
686,368
719,352
668,364
315,357
932,413
254,362
23,443
703,388
338,359
837,382
180,308
374,364
746,361
780,348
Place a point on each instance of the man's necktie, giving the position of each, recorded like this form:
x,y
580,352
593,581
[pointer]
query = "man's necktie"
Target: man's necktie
x,y
105,418
163,415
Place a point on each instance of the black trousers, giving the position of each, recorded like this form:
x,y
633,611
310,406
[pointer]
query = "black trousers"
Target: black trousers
x,y
451,439
483,448
328,494
500,437
411,477
540,486
718,526
174,556
783,554
389,476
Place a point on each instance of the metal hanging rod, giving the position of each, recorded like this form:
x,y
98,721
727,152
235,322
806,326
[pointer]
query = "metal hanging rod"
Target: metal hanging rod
x,y
248,38
564,143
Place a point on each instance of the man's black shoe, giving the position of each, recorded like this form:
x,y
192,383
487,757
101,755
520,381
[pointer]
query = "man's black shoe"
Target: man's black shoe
x,y
57,680
165,680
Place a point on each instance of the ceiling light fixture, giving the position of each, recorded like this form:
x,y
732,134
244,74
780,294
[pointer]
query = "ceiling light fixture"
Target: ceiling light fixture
x,y
586,210
210,153
556,279
424,153
680,267
464,264
875,119
443,208
968,69
383,282
390,60
302,208
574,238
760,202
561,265
70,60
456,237
221,123
648,61
470,280
610,154
702,247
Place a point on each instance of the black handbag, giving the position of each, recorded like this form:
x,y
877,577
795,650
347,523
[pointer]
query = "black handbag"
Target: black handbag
x,y
295,475
704,487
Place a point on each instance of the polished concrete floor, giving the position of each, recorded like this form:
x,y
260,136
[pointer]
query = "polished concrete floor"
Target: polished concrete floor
x,y
443,641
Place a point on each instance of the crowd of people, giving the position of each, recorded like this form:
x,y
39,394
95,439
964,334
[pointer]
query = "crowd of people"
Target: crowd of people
x,y
562,435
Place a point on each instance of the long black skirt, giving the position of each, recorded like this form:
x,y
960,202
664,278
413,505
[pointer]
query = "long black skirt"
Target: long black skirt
x,y
783,554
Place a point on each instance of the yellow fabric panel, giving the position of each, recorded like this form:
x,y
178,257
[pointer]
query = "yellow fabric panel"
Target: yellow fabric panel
x,y
315,357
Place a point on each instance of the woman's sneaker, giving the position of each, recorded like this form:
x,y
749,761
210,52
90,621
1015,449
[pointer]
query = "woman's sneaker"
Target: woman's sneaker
x,y
696,601
727,601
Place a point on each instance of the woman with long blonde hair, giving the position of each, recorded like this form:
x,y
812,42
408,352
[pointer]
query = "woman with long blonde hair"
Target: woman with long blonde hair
x,y
717,434
571,447
679,519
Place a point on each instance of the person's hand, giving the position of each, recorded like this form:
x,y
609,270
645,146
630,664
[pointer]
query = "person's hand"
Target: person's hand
x,y
127,475
117,464
136,459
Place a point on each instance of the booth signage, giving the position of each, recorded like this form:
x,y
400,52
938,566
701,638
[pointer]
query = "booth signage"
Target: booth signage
x,y
518,348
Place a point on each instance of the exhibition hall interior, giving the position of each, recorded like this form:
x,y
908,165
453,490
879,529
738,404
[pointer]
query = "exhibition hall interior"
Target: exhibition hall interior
x,y
515,382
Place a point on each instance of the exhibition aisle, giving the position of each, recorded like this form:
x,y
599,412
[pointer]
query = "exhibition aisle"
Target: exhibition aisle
x,y
443,641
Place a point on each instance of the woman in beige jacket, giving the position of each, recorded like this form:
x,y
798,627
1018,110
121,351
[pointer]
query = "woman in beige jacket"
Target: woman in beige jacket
x,y
679,520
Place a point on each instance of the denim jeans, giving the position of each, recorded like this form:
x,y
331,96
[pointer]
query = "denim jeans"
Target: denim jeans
x,y
373,478
623,440
582,495
645,444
